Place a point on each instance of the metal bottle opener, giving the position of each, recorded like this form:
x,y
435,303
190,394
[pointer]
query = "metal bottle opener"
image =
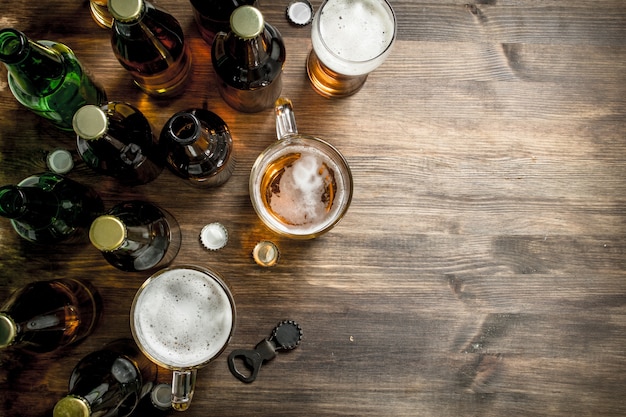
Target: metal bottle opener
x,y
285,336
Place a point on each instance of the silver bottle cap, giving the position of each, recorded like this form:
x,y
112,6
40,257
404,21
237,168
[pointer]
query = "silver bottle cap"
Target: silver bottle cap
x,y
214,236
300,12
60,161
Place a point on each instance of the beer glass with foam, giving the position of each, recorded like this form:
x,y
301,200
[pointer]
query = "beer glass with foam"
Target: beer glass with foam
x,y
350,39
181,318
300,186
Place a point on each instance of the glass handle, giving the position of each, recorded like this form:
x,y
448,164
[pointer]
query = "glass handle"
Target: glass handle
x,y
285,118
183,384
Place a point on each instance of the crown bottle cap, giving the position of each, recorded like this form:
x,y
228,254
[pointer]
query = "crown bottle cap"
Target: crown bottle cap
x,y
125,10
60,161
300,12
7,330
247,22
90,122
214,236
107,233
265,253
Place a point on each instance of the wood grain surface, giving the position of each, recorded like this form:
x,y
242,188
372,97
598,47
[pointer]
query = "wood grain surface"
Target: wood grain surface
x,y
481,268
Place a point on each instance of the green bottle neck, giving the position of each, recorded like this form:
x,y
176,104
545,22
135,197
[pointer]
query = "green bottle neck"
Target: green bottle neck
x,y
26,202
34,67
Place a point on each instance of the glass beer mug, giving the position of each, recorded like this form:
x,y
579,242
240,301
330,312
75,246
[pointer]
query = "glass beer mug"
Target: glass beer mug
x,y
350,39
181,318
300,186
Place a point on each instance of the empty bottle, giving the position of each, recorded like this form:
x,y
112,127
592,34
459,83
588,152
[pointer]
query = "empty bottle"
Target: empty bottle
x,y
108,382
249,61
136,236
150,44
49,208
47,78
116,140
46,315
199,147
213,16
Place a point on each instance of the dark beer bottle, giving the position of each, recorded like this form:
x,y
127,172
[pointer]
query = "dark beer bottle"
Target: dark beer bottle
x,y
150,44
49,208
47,78
199,147
249,61
45,315
117,140
213,16
136,236
109,382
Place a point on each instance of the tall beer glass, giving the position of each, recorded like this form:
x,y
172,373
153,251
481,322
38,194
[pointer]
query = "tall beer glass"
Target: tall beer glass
x,y
350,38
182,318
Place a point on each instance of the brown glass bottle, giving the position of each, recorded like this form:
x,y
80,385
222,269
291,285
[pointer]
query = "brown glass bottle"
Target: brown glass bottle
x,y
150,45
249,61
116,140
199,147
136,236
108,382
45,315
213,16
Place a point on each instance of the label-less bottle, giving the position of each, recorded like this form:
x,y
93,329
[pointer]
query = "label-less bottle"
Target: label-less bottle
x,y
47,78
116,140
249,61
49,208
46,315
150,45
108,382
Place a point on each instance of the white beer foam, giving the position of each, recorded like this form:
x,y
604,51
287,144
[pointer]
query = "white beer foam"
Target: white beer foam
x,y
301,188
354,33
183,318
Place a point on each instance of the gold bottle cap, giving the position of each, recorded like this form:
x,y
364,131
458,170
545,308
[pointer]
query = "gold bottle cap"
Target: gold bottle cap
x,y
71,406
214,236
90,122
247,22
7,330
125,10
107,233
60,161
265,253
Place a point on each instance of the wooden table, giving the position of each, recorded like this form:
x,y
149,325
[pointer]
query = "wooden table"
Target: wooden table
x,y
481,269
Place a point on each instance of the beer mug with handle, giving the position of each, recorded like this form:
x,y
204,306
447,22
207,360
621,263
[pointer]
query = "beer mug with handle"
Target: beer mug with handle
x,y
181,318
300,186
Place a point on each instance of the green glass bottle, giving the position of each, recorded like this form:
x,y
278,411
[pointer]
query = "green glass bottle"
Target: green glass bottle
x,y
49,208
47,78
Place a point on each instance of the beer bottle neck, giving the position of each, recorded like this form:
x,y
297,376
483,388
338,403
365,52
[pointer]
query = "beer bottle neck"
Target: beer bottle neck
x,y
34,67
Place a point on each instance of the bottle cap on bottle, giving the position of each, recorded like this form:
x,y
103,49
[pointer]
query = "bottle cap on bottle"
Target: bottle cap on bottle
x,y
214,236
247,22
71,406
300,12
7,330
125,10
90,122
265,253
60,161
107,233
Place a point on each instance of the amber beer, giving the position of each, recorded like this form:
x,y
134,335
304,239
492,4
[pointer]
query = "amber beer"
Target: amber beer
x,y
350,39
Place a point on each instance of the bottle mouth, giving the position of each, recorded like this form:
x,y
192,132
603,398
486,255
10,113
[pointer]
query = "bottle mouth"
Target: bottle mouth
x,y
12,202
13,45
184,128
